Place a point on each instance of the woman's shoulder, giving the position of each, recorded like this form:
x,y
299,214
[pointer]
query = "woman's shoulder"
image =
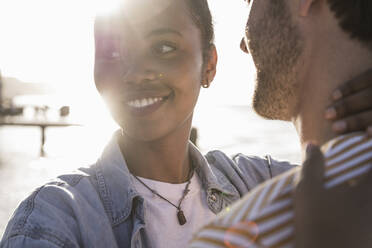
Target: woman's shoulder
x,y
50,211
252,170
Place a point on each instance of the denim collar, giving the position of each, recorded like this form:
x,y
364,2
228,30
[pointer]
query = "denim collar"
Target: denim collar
x,y
117,190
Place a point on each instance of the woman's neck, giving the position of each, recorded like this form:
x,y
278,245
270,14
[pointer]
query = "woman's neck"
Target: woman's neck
x,y
165,159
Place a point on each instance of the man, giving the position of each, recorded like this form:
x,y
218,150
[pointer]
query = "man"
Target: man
x,y
302,50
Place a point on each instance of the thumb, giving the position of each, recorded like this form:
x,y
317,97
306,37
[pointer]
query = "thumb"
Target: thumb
x,y
313,167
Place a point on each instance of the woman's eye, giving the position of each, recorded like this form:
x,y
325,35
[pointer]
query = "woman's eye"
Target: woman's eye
x,y
164,49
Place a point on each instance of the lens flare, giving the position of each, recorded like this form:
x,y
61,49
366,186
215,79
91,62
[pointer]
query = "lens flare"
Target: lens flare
x,y
241,235
107,7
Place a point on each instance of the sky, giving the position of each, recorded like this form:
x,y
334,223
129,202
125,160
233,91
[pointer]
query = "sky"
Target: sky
x,y
51,41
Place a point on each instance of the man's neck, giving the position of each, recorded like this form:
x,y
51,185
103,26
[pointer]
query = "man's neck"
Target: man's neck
x,y
330,65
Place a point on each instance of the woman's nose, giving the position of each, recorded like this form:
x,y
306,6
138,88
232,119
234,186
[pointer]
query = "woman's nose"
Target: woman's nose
x,y
243,46
139,71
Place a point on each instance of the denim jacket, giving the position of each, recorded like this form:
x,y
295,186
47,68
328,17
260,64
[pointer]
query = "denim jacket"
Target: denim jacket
x,y
98,206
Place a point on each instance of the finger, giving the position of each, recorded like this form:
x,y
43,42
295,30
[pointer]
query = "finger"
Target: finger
x,y
359,122
361,82
369,131
313,167
350,105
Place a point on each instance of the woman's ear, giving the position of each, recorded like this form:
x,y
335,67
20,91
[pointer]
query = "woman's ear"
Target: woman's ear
x,y
210,68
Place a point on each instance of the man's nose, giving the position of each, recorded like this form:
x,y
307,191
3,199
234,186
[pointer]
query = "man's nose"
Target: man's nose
x,y
243,45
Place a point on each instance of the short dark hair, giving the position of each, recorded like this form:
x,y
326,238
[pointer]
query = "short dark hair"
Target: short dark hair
x,y
355,18
201,15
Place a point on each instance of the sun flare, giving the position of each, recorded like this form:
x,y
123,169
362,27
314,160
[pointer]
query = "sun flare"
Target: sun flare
x,y
107,7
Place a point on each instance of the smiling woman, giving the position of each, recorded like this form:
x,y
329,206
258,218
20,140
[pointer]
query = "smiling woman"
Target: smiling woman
x,y
151,59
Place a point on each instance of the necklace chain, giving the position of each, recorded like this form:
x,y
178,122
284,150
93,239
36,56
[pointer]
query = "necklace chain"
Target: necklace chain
x,y
180,215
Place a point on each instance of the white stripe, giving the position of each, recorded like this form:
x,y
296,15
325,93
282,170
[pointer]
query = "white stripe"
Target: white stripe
x,y
217,235
202,244
279,236
278,186
345,177
276,221
259,201
350,164
342,145
237,240
276,206
246,203
349,153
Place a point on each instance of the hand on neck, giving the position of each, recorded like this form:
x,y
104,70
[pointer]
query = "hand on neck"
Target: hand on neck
x,y
331,64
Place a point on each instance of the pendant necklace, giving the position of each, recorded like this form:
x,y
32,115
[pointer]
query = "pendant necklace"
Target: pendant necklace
x,y
180,215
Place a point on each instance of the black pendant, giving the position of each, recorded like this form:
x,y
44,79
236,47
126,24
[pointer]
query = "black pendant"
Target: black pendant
x,y
181,217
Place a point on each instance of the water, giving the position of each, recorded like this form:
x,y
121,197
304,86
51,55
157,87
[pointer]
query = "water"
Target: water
x,y
231,129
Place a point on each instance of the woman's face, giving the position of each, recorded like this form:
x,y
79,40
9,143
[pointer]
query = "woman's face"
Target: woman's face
x,y
149,67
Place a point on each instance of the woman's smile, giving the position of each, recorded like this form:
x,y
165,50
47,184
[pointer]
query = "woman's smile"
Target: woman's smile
x,y
143,106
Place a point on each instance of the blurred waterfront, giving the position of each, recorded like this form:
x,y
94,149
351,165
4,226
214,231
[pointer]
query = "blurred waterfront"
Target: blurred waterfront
x,y
231,129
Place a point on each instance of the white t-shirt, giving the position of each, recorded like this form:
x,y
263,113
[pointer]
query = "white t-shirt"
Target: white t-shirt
x,y
162,228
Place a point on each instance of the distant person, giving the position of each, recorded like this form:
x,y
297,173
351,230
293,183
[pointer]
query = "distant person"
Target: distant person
x,y
302,50
151,187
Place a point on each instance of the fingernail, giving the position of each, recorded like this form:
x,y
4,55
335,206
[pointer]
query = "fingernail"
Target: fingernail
x,y
339,126
337,95
369,131
330,113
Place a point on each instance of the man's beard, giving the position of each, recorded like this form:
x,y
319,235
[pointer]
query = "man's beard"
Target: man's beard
x,y
275,46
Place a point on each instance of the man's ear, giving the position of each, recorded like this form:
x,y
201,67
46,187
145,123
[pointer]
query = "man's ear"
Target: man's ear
x,y
305,7
210,69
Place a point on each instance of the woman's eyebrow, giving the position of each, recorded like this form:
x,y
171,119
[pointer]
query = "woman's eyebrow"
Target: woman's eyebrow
x,y
161,31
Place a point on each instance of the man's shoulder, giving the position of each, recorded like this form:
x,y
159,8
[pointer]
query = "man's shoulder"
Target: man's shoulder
x,y
49,212
255,204
255,216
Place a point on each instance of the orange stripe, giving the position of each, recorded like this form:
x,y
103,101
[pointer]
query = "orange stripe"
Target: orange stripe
x,y
234,229
285,242
210,241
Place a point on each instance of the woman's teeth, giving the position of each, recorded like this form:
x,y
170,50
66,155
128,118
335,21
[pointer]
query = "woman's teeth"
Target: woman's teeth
x,y
145,102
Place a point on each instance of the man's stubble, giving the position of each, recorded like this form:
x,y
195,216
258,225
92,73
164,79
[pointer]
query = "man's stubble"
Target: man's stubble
x,y
275,44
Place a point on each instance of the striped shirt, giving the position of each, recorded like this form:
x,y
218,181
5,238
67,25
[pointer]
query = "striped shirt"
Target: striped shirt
x,y
265,216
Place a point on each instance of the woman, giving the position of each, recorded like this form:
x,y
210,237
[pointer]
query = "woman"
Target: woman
x,y
151,187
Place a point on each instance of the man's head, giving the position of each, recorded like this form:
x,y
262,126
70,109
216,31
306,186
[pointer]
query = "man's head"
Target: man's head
x,y
282,35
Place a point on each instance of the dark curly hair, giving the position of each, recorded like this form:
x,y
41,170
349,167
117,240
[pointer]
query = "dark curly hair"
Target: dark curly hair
x,y
201,15
355,18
